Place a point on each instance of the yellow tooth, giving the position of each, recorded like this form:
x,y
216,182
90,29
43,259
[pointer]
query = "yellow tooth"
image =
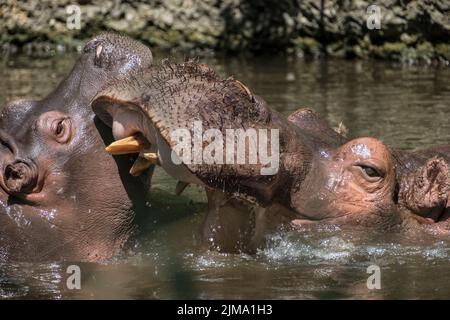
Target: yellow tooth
x,y
133,144
152,158
181,185
139,166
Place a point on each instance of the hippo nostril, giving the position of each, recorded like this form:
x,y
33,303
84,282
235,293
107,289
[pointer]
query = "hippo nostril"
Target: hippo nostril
x,y
20,177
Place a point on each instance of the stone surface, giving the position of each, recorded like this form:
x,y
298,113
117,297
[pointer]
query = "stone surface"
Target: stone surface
x,y
411,30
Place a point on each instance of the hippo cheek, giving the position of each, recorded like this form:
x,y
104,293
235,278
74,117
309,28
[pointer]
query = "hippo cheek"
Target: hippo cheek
x,y
27,232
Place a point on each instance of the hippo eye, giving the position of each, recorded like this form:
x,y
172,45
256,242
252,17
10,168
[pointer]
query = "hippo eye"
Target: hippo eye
x,y
370,171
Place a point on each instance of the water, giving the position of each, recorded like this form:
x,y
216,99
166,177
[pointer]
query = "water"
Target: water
x,y
407,107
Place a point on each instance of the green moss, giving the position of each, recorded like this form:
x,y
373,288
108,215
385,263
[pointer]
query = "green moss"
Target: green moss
x,y
306,46
336,49
425,51
155,37
196,37
173,36
408,39
393,47
443,50
389,50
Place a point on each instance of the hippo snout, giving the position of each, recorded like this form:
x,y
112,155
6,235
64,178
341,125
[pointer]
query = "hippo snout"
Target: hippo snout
x,y
21,177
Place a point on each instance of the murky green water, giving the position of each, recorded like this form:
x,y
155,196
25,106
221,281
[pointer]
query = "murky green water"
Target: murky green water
x,y
406,107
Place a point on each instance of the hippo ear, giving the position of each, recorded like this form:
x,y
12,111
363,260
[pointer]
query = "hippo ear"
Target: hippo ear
x,y
426,191
309,121
306,118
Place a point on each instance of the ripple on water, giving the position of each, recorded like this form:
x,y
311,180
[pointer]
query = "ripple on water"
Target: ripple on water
x,y
288,249
350,249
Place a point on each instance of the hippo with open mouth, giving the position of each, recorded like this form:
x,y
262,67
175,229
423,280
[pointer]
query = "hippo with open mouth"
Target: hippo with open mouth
x,y
61,196
320,176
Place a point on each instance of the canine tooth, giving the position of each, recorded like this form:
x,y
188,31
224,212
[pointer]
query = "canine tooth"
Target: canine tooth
x,y
152,158
98,51
181,185
133,144
247,90
139,166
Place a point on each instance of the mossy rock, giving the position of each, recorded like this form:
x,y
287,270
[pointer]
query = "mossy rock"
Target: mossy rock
x,y
307,46
199,38
155,37
389,50
425,51
443,50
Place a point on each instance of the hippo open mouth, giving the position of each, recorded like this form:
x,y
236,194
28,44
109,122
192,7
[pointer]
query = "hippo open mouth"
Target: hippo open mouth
x,y
322,176
136,134
132,137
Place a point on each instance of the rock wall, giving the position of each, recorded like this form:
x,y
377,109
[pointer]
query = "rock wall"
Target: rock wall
x,y
410,30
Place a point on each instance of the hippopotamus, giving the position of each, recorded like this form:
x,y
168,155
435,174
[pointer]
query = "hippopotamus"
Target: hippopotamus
x,y
61,196
319,175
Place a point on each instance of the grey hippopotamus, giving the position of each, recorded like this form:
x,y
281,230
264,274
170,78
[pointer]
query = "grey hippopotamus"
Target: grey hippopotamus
x,y
321,176
61,196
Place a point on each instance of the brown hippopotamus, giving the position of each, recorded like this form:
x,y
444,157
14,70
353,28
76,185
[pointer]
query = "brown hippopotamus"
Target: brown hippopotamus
x,y
321,176
61,197
422,176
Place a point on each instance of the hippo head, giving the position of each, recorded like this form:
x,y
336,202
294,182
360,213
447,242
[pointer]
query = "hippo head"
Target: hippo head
x,y
61,196
321,176
352,185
